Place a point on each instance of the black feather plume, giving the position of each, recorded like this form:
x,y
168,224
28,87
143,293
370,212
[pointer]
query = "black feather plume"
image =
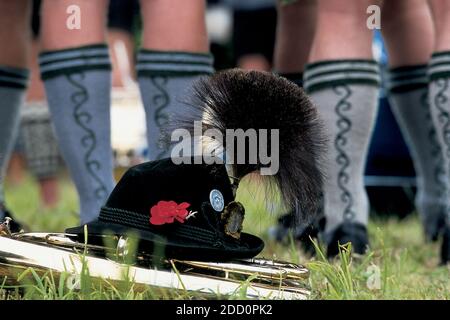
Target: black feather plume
x,y
237,99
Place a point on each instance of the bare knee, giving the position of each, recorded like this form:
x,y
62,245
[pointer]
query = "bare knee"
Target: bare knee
x,y
92,23
174,25
407,28
14,17
441,19
15,35
295,32
342,31
403,14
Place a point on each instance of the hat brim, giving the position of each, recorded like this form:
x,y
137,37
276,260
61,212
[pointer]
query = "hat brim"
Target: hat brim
x,y
247,247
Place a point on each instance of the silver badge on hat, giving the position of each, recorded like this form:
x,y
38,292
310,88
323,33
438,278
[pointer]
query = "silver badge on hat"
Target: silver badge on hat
x,y
216,200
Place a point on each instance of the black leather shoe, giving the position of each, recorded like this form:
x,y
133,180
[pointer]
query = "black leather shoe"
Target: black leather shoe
x,y
301,233
445,248
355,233
14,225
434,228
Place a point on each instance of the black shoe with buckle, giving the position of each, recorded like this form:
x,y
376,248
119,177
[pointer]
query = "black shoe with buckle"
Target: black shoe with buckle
x,y
355,233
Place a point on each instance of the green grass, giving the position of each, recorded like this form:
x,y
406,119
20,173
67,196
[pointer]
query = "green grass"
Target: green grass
x,y
399,265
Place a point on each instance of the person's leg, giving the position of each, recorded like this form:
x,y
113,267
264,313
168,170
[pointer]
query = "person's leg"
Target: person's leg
x,y
16,167
14,40
296,23
342,79
409,35
254,36
41,150
38,142
121,49
439,94
40,147
76,70
121,21
295,32
174,53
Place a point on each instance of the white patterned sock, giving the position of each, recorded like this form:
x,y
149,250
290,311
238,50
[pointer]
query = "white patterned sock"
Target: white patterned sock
x,y
439,94
346,94
78,84
408,97
13,82
165,78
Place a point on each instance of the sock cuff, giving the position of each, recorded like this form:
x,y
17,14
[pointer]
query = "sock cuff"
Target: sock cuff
x,y
439,66
12,77
329,73
295,77
173,63
407,78
72,60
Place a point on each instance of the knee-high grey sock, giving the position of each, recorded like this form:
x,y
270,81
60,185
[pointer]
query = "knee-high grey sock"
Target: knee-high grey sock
x,y
439,95
345,92
408,97
78,84
165,78
13,82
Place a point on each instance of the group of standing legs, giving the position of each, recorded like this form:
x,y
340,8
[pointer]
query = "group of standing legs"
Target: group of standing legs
x,y
76,70
333,45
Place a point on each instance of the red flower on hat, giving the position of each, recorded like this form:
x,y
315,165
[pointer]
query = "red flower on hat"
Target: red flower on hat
x,y
168,211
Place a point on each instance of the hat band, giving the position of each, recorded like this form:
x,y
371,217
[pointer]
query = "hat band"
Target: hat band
x,y
139,221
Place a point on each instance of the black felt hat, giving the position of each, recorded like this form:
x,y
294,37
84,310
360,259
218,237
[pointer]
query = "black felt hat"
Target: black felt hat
x,y
177,208
189,209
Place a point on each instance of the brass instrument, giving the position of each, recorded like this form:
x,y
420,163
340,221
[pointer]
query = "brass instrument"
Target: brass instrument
x,y
59,253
